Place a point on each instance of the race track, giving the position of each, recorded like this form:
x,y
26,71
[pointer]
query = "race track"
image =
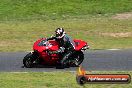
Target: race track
x,y
95,60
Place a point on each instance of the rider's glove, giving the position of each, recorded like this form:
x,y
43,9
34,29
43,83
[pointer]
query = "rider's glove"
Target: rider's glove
x,y
61,50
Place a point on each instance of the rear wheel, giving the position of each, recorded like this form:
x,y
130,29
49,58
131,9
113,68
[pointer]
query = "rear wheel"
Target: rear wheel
x,y
78,58
75,60
28,60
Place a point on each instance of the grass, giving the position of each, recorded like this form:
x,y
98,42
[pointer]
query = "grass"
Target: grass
x,y
20,35
52,80
22,22
59,9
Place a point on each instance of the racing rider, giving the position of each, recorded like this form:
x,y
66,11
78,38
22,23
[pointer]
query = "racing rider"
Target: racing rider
x,y
66,45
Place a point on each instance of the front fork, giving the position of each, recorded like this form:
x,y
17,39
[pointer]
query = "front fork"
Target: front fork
x,y
36,57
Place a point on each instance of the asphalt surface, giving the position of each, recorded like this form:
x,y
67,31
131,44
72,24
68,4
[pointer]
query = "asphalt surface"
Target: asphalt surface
x,y
95,60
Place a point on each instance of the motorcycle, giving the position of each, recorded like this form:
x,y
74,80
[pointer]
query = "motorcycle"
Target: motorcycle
x,y
41,55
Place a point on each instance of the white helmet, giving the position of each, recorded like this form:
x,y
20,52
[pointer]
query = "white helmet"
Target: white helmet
x,y
59,33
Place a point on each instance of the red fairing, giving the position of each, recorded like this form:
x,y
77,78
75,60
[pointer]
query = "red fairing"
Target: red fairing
x,y
54,45
42,47
42,50
38,48
79,44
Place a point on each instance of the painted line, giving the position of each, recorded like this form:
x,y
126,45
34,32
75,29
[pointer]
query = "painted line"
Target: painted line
x,y
29,51
43,72
113,49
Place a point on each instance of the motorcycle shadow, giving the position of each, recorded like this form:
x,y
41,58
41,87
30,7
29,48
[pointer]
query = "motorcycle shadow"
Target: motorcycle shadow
x,y
48,66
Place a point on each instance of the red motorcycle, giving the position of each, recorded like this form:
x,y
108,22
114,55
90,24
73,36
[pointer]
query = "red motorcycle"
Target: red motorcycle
x,y
42,47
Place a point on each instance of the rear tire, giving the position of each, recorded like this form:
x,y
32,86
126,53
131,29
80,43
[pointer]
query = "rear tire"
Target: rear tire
x,y
28,60
78,57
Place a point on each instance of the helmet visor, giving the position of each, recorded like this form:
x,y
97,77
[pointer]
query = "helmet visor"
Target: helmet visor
x,y
57,34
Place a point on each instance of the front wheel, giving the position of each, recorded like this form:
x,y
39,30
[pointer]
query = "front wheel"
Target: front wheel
x,y
28,60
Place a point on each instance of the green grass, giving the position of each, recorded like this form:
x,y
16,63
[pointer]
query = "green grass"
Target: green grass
x,y
20,36
60,9
53,80
22,22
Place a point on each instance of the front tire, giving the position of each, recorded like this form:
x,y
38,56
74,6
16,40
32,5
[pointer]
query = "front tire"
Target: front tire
x,y
28,60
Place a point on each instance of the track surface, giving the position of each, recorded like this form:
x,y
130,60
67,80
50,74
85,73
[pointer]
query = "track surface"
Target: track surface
x,y
99,60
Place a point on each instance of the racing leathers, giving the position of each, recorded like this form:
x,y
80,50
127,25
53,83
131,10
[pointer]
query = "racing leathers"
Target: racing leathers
x,y
66,45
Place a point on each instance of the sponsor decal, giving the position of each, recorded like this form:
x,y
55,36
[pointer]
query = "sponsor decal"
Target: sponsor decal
x,y
83,78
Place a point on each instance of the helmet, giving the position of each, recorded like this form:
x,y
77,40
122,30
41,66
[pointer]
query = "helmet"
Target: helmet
x,y
59,33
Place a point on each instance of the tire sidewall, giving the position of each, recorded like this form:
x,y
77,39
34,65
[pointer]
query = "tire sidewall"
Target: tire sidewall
x,y
80,56
28,57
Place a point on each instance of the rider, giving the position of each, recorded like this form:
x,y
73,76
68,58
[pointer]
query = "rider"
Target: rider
x,y
66,44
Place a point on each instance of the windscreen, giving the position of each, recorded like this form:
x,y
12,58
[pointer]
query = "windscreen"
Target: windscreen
x,y
43,43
